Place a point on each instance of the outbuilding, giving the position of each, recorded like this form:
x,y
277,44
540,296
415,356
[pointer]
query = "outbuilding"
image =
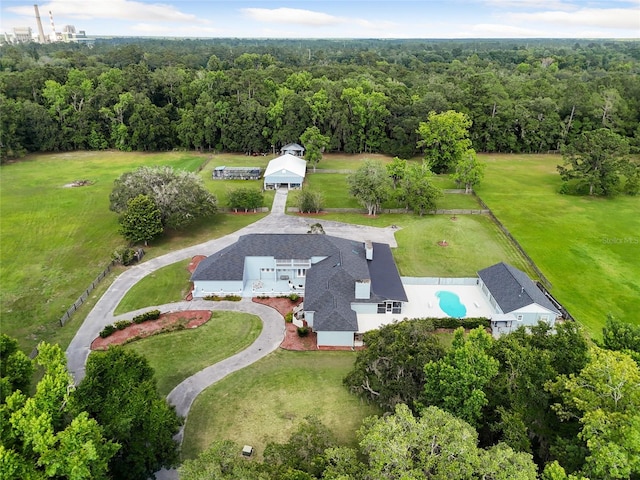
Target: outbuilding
x,y
286,171
517,300
292,149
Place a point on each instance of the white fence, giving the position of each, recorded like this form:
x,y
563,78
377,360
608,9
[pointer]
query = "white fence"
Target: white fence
x,y
439,281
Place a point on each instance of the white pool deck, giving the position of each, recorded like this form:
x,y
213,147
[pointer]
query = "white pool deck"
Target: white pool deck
x,y
424,303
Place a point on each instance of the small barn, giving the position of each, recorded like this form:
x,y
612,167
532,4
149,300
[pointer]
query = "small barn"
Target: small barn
x,y
286,171
292,149
236,173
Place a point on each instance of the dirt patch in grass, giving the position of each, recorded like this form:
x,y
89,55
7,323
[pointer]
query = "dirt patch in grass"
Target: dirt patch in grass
x,y
79,183
167,322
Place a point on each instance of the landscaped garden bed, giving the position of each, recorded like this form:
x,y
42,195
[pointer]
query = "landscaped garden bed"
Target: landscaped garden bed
x,y
167,322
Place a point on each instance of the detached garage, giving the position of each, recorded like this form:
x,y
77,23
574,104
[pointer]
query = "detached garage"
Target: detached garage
x,y
286,171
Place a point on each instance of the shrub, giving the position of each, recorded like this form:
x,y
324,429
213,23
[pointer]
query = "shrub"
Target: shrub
x,y
124,255
466,323
310,202
150,315
288,317
245,198
213,298
233,298
294,297
122,324
108,330
303,331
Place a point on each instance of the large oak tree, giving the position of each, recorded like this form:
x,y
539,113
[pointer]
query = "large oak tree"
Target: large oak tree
x,y
597,160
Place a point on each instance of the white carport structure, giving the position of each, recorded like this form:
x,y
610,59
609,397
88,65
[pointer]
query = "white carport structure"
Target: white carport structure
x,y
286,171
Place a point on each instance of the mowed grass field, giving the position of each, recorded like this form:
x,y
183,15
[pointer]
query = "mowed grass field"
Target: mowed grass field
x,y
56,239
266,402
589,248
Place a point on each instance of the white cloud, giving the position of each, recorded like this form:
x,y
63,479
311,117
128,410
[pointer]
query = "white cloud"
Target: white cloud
x,y
292,16
533,4
110,9
587,17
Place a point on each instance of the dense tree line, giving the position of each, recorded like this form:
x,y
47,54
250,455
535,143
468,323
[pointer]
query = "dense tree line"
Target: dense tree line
x,y
363,96
573,406
114,424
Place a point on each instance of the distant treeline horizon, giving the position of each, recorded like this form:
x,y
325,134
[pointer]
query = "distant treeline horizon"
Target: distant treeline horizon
x,y
366,95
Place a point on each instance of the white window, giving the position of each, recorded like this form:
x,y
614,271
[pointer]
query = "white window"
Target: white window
x,y
301,272
390,307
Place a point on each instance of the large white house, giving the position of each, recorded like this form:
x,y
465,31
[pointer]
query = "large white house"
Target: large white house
x,y
338,278
351,287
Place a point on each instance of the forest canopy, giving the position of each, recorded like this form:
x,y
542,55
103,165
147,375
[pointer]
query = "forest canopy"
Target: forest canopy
x,y
364,95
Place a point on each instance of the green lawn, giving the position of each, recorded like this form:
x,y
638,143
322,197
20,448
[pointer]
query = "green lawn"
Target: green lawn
x,y
177,355
56,240
587,247
165,285
266,401
335,193
475,242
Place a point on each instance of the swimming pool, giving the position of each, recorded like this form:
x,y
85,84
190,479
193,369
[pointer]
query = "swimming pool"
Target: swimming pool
x,y
450,304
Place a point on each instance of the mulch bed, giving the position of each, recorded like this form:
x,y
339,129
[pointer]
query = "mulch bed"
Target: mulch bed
x,y
166,322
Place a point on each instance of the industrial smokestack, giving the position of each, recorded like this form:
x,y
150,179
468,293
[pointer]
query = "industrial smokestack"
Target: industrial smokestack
x,y
40,30
53,28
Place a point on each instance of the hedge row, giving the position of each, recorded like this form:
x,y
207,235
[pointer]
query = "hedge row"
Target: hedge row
x,y
228,298
466,323
150,315
122,324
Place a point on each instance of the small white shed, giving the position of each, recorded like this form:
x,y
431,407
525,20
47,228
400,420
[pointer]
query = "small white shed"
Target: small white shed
x,y
293,149
286,171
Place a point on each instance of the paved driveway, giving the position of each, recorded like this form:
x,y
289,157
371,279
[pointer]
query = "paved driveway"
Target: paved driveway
x,y
183,395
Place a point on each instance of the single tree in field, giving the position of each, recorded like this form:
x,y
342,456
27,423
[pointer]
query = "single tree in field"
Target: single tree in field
x,y
314,143
444,139
468,171
418,190
597,160
142,221
397,170
370,184
180,196
119,391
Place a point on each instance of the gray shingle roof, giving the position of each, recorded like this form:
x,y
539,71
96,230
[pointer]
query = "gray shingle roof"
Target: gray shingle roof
x,y
329,284
385,279
512,288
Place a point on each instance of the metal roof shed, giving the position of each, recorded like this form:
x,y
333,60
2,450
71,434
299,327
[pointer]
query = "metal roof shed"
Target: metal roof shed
x,y
286,171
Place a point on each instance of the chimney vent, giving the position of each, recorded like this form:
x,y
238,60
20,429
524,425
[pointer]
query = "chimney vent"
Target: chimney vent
x,y
368,248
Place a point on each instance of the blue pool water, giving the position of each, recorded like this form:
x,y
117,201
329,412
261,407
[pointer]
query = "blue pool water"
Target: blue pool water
x,y
450,304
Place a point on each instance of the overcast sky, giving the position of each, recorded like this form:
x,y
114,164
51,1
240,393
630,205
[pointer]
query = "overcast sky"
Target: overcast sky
x,y
334,18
